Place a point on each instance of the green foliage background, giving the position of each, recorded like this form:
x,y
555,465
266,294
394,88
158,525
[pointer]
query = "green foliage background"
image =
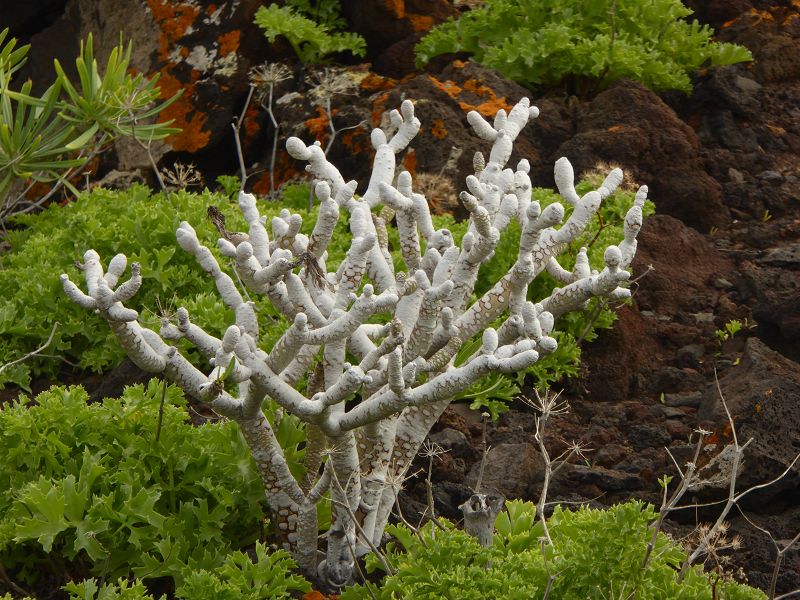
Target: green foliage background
x,y
595,554
88,488
548,41
313,29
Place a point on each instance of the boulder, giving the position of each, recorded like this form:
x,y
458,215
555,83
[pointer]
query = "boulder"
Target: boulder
x,y
513,470
761,393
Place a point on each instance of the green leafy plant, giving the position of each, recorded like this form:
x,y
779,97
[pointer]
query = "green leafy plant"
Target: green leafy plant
x,y
47,138
134,221
312,32
238,577
595,554
122,590
91,488
731,328
270,576
547,41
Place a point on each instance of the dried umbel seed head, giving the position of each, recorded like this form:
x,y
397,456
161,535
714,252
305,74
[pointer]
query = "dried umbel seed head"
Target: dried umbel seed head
x,y
439,191
330,82
268,74
598,173
265,77
181,176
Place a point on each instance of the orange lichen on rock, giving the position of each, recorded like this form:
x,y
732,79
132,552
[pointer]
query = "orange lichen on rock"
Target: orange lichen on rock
x,y
492,104
251,125
420,22
760,15
378,108
487,108
285,170
410,161
356,140
374,83
438,129
472,85
174,19
319,126
183,113
229,42
396,7
448,87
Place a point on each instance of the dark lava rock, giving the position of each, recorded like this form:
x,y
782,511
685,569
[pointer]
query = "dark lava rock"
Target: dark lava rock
x,y
629,359
455,442
772,287
648,436
761,394
607,480
631,126
391,28
511,469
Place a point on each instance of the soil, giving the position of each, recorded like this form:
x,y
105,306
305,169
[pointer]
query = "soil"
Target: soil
x,y
723,166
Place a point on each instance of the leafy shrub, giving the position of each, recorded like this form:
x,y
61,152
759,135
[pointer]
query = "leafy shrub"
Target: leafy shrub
x,y
546,41
43,138
122,590
311,31
238,578
595,554
90,487
135,222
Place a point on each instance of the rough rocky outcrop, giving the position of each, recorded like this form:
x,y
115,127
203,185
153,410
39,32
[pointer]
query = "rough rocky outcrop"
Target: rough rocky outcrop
x,y
762,394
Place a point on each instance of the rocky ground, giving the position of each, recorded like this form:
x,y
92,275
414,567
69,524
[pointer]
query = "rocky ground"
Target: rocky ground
x,y
723,168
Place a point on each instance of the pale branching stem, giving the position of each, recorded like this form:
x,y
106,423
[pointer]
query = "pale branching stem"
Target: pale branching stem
x,y
779,552
733,497
35,352
148,150
484,451
365,538
668,505
161,408
431,451
276,129
551,577
541,422
237,127
405,522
